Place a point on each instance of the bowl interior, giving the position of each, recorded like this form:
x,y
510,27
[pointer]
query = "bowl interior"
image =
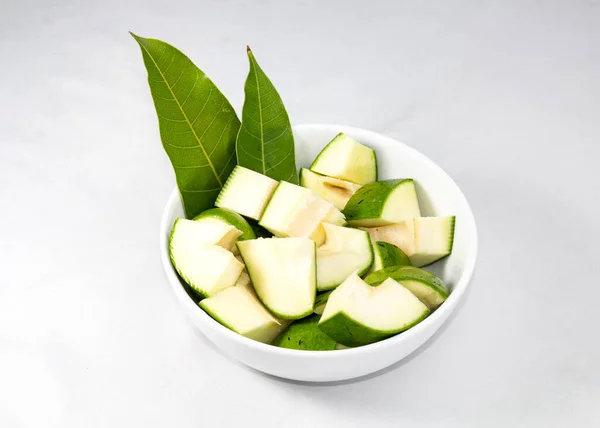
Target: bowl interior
x,y
437,192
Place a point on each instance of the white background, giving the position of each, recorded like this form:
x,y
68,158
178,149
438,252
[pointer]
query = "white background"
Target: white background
x,y
504,95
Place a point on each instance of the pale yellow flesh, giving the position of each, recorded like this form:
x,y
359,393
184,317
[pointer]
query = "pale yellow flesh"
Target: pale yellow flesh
x,y
333,190
188,234
335,217
423,239
345,251
402,204
246,192
306,219
214,221
298,212
426,294
433,238
208,269
244,280
387,307
346,159
285,200
239,309
402,235
283,273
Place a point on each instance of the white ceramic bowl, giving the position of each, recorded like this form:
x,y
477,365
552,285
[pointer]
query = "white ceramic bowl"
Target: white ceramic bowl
x,y
438,195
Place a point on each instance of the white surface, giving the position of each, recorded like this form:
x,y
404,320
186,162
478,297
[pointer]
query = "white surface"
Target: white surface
x,y
438,195
504,96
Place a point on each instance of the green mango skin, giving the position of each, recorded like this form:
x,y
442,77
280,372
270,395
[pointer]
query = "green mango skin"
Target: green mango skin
x,y
390,255
368,201
350,332
229,217
409,276
306,336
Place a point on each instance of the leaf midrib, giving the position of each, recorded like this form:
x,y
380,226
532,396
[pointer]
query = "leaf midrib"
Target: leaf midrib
x,y
212,167
262,133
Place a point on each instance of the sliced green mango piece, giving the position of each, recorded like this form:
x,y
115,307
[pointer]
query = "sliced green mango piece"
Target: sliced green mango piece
x,y
434,238
246,192
430,289
283,273
347,159
238,309
357,314
192,233
382,203
198,254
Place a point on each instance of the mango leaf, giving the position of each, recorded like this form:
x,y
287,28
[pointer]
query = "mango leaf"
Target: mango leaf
x,y
265,142
198,126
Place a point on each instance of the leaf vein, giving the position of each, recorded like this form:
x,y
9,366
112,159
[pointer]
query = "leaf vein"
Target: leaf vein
x,y
227,163
162,98
275,117
249,154
164,73
270,105
281,161
212,121
179,147
225,128
278,136
180,75
262,132
191,90
256,137
162,53
169,119
202,109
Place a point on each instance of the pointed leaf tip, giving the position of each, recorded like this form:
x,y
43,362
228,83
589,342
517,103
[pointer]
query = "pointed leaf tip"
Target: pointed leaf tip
x,y
267,131
248,50
137,38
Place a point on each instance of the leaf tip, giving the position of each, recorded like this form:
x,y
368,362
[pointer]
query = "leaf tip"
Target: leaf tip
x,y
248,50
137,38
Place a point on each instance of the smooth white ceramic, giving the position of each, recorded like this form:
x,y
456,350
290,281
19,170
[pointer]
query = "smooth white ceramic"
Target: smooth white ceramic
x,y
438,195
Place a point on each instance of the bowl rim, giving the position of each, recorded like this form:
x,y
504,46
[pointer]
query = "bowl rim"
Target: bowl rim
x,y
440,313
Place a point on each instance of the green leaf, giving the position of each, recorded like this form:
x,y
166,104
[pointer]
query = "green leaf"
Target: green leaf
x,y
198,126
265,142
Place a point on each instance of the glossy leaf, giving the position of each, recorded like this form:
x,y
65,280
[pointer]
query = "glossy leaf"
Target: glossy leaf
x,y
265,142
198,126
